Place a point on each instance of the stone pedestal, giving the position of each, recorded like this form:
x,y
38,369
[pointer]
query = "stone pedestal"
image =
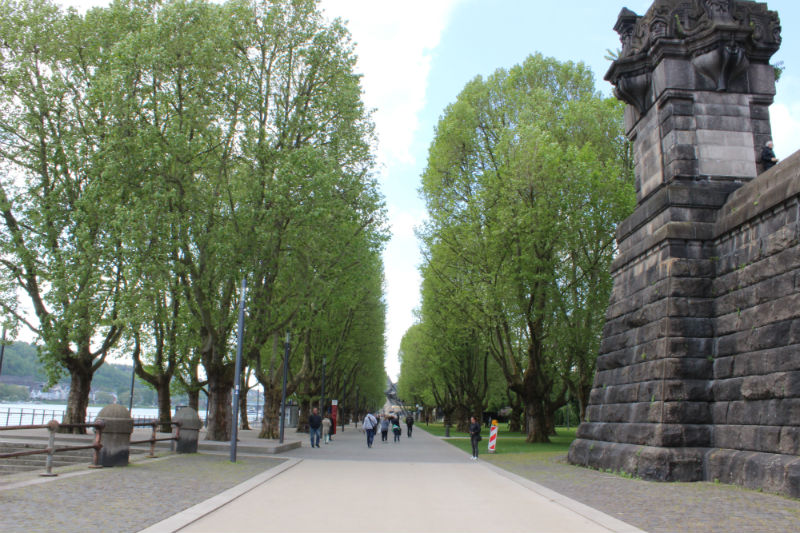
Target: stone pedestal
x,y
190,425
116,436
697,79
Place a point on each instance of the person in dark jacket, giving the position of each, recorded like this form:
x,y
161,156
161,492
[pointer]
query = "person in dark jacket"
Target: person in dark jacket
x,y
768,159
409,424
314,427
474,436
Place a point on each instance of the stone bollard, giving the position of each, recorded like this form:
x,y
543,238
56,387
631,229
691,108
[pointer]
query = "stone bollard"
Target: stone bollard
x,y
116,436
189,430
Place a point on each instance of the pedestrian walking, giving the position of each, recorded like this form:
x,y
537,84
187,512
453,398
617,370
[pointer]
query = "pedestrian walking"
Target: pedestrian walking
x,y
396,430
384,428
369,425
314,425
474,436
326,429
409,424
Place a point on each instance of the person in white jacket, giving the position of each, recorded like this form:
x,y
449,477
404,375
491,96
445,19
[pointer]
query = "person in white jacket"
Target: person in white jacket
x,y
326,429
369,425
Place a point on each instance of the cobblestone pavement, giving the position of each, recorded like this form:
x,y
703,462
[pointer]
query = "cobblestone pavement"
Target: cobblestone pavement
x,y
123,499
661,507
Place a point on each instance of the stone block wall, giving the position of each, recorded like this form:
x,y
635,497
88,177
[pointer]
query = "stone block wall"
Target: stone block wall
x,y
699,372
756,374
697,376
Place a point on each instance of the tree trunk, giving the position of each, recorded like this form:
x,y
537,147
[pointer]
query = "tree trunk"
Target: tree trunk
x,y
270,425
78,399
219,408
514,419
194,399
536,422
550,422
302,417
461,419
164,406
245,423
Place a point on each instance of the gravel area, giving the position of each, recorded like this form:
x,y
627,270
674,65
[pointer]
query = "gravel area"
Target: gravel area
x,y
123,499
660,507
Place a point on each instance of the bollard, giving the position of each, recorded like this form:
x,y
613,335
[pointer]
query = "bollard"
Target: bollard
x,y
52,427
189,425
153,441
116,435
493,437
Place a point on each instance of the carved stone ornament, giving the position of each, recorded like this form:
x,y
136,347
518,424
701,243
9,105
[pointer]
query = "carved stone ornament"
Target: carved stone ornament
x,y
719,10
635,91
722,65
720,38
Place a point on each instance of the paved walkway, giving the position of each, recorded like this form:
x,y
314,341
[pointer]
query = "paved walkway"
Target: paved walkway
x,y
422,484
419,485
662,507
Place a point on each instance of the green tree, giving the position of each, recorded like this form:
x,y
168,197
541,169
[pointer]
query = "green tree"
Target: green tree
x,y
525,181
13,393
59,242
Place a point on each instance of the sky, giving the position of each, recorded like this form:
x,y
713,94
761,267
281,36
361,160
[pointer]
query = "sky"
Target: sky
x,y
415,56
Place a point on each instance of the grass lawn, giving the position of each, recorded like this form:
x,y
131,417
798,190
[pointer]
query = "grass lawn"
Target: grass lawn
x,y
507,442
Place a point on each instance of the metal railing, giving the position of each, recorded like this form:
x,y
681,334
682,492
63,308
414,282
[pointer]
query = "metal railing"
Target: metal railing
x,y
30,416
153,438
53,427
18,415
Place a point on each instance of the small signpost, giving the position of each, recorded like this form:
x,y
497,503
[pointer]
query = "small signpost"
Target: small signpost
x,y
334,415
493,436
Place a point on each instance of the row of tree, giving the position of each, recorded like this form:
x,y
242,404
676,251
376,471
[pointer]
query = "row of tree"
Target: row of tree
x,y
155,154
527,176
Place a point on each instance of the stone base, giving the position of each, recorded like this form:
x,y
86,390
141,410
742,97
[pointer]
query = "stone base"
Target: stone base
x,y
771,472
646,462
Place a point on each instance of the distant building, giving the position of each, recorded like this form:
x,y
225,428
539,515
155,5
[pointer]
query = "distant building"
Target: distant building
x,y
56,392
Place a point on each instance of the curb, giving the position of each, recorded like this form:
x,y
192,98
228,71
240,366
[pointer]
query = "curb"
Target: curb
x,y
590,513
182,519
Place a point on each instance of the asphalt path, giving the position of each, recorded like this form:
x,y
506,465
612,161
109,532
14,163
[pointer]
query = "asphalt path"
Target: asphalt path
x,y
419,484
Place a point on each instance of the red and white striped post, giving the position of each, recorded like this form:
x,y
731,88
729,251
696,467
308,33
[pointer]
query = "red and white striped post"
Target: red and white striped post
x,y
493,436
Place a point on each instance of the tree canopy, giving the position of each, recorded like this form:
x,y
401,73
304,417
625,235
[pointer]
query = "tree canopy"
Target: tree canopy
x,y
156,154
527,176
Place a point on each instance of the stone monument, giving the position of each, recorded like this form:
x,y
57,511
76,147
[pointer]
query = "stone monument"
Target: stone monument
x,y
698,375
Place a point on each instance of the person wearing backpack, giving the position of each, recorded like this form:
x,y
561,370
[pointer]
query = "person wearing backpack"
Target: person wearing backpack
x,y
410,424
369,425
384,428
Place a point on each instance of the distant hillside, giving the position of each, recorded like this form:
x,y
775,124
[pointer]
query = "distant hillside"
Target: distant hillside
x,y
21,360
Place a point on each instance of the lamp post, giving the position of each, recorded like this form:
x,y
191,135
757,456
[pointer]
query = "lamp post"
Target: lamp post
x,y
238,374
133,379
283,391
2,349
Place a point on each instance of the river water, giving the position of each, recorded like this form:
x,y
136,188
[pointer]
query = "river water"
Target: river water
x,y
12,414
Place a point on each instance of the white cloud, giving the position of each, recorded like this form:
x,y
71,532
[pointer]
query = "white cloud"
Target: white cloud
x,y
394,42
785,120
401,259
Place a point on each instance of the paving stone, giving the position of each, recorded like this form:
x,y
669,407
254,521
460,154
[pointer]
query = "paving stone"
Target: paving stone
x,y
123,499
